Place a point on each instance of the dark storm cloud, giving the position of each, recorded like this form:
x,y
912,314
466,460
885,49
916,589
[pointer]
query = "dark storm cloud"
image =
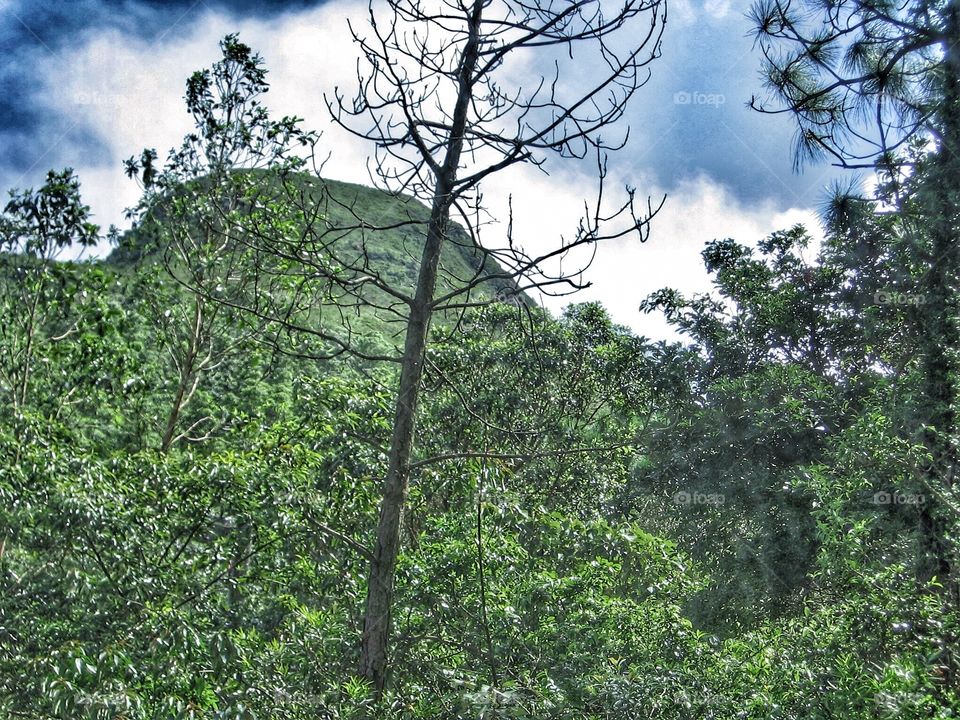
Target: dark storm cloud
x,y
30,134
33,32
56,22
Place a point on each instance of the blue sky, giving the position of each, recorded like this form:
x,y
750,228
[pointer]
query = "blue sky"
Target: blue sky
x,y
90,82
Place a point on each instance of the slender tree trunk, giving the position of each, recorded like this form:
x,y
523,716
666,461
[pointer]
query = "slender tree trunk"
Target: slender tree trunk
x,y
481,577
380,580
20,393
186,377
174,416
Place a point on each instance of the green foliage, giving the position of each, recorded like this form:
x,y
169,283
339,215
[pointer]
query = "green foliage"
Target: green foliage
x,y
150,568
598,526
43,222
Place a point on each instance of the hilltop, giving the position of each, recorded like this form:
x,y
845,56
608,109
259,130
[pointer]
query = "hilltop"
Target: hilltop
x,y
391,226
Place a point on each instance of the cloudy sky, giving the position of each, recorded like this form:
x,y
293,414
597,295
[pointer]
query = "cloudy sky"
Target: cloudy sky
x,y
87,83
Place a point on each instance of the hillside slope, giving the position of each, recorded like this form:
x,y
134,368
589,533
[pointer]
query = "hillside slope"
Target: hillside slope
x,y
391,227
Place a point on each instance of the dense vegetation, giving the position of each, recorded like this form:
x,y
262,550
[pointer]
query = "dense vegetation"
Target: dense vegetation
x,y
742,525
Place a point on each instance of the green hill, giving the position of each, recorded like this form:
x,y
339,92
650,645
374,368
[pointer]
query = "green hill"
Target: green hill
x,y
390,226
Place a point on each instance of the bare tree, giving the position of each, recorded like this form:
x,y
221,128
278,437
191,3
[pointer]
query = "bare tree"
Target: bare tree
x,y
436,100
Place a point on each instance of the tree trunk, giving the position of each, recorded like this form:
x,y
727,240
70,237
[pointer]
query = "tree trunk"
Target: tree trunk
x,y
187,371
376,622
174,416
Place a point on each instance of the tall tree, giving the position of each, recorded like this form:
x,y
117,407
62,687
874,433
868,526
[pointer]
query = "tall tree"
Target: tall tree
x,y
439,110
38,296
875,84
189,213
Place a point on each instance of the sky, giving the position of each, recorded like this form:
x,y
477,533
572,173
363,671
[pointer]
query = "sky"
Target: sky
x,y
88,83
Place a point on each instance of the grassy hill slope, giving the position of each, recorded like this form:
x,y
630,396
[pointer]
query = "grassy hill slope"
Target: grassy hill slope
x,y
392,227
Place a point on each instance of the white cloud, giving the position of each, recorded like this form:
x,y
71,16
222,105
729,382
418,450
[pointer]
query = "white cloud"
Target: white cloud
x,y
682,11
717,8
625,271
690,11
